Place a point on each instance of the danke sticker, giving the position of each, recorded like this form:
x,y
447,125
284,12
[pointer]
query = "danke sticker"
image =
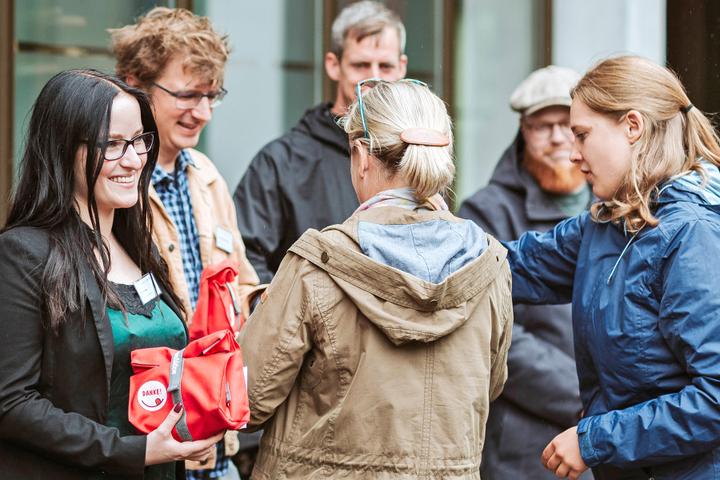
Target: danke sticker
x,y
152,395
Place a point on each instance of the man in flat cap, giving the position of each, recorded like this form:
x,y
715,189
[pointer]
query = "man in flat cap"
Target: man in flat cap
x,y
534,187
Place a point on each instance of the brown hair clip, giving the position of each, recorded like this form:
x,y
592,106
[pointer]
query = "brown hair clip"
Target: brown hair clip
x,y
424,136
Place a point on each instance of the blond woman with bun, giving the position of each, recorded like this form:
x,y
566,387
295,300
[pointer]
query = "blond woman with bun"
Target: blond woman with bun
x,y
639,269
382,341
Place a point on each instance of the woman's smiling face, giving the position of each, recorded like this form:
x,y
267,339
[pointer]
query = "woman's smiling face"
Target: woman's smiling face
x,y
117,186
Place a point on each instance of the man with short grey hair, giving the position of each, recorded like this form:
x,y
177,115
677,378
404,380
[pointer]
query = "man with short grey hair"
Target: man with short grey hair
x,y
302,179
534,186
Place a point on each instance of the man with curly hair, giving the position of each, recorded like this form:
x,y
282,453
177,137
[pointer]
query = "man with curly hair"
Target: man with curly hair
x,y
179,60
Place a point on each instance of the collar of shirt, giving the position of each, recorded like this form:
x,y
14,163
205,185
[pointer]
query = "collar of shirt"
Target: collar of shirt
x,y
182,161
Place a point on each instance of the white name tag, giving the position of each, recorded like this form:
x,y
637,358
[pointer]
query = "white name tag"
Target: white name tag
x,y
224,240
147,288
245,374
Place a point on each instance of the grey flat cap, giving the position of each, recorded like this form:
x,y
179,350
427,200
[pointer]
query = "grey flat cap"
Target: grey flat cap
x,y
545,87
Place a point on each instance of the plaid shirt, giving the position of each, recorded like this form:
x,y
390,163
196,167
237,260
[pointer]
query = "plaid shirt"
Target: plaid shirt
x,y
172,188
174,193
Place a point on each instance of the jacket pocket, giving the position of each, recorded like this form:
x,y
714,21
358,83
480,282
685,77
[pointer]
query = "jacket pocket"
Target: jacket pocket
x,y
313,370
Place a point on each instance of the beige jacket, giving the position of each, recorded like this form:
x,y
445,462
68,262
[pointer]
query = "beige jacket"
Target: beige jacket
x,y
212,208
358,370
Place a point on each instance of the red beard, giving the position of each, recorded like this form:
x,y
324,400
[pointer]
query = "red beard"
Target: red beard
x,y
560,178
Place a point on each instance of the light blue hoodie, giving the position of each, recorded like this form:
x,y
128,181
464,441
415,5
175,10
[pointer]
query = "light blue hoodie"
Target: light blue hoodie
x,y
430,250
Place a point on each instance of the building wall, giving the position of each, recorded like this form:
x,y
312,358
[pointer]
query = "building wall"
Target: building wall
x,y
496,49
588,31
254,111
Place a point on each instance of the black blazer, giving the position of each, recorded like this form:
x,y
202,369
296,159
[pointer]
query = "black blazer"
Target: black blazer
x,y
54,388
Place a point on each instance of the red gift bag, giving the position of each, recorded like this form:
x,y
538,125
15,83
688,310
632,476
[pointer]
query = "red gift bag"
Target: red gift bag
x,y
207,376
217,307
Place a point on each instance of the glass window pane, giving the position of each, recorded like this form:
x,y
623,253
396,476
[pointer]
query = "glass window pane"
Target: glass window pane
x,y
56,35
32,71
496,49
74,22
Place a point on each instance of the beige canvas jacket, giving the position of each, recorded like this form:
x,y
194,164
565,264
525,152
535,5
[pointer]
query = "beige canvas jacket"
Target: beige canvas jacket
x,y
212,207
358,370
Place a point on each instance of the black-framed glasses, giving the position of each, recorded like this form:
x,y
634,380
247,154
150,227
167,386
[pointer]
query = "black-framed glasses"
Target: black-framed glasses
x,y
370,83
188,100
115,149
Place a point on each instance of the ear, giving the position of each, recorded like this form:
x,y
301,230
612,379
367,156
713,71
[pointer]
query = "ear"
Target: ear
x,y
403,65
635,125
362,158
132,81
332,66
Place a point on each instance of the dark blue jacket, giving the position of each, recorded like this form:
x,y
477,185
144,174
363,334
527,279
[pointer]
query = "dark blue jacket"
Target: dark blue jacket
x,y
646,317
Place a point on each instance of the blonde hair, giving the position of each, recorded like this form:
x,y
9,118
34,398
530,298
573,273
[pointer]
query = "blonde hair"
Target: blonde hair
x,y
673,141
391,108
144,48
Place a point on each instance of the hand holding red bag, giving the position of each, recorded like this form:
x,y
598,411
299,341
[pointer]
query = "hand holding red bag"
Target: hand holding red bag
x,y
217,307
207,376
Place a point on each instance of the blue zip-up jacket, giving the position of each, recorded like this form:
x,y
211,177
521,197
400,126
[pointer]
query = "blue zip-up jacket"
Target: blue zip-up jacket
x,y
646,318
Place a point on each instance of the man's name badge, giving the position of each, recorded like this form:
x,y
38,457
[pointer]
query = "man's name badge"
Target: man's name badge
x,y
224,240
147,288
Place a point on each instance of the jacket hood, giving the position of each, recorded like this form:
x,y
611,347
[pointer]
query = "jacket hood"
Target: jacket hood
x,y
403,306
692,187
321,124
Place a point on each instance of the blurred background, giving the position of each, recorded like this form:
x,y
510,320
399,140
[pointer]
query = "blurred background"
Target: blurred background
x,y
472,52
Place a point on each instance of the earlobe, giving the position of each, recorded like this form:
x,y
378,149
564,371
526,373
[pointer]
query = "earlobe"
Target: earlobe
x,y
635,125
362,158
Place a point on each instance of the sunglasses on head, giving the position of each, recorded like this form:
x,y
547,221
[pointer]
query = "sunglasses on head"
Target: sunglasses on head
x,y
370,83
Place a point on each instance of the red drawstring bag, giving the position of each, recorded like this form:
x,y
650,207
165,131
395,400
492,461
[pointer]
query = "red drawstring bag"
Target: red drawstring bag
x,y
217,307
207,376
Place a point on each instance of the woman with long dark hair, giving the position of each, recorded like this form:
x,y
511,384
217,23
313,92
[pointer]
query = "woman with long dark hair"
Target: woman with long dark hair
x,y
72,255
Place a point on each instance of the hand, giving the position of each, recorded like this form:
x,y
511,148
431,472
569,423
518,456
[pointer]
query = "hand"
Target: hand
x,y
163,448
562,455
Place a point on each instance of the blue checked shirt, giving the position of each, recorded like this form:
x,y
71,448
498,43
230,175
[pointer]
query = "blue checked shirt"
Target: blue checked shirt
x,y
174,193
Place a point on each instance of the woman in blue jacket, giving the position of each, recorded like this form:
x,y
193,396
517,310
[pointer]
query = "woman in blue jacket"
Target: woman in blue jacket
x,y
639,271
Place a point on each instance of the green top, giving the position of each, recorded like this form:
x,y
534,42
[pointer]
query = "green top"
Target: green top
x,y
154,324
574,203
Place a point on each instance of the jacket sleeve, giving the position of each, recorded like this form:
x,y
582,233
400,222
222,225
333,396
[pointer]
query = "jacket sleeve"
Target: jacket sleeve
x,y
501,340
543,264
686,422
260,215
27,419
539,370
276,339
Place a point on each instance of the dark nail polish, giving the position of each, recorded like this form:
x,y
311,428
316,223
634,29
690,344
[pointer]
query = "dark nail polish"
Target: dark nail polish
x,y
178,407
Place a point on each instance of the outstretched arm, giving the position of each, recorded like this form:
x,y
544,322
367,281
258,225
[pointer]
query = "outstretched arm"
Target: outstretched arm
x,y
543,264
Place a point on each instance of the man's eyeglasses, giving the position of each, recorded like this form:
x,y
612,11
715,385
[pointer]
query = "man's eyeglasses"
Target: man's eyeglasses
x,y
545,130
115,149
188,100
370,83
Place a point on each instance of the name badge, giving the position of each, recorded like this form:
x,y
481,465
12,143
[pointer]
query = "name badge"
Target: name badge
x,y
147,288
224,240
